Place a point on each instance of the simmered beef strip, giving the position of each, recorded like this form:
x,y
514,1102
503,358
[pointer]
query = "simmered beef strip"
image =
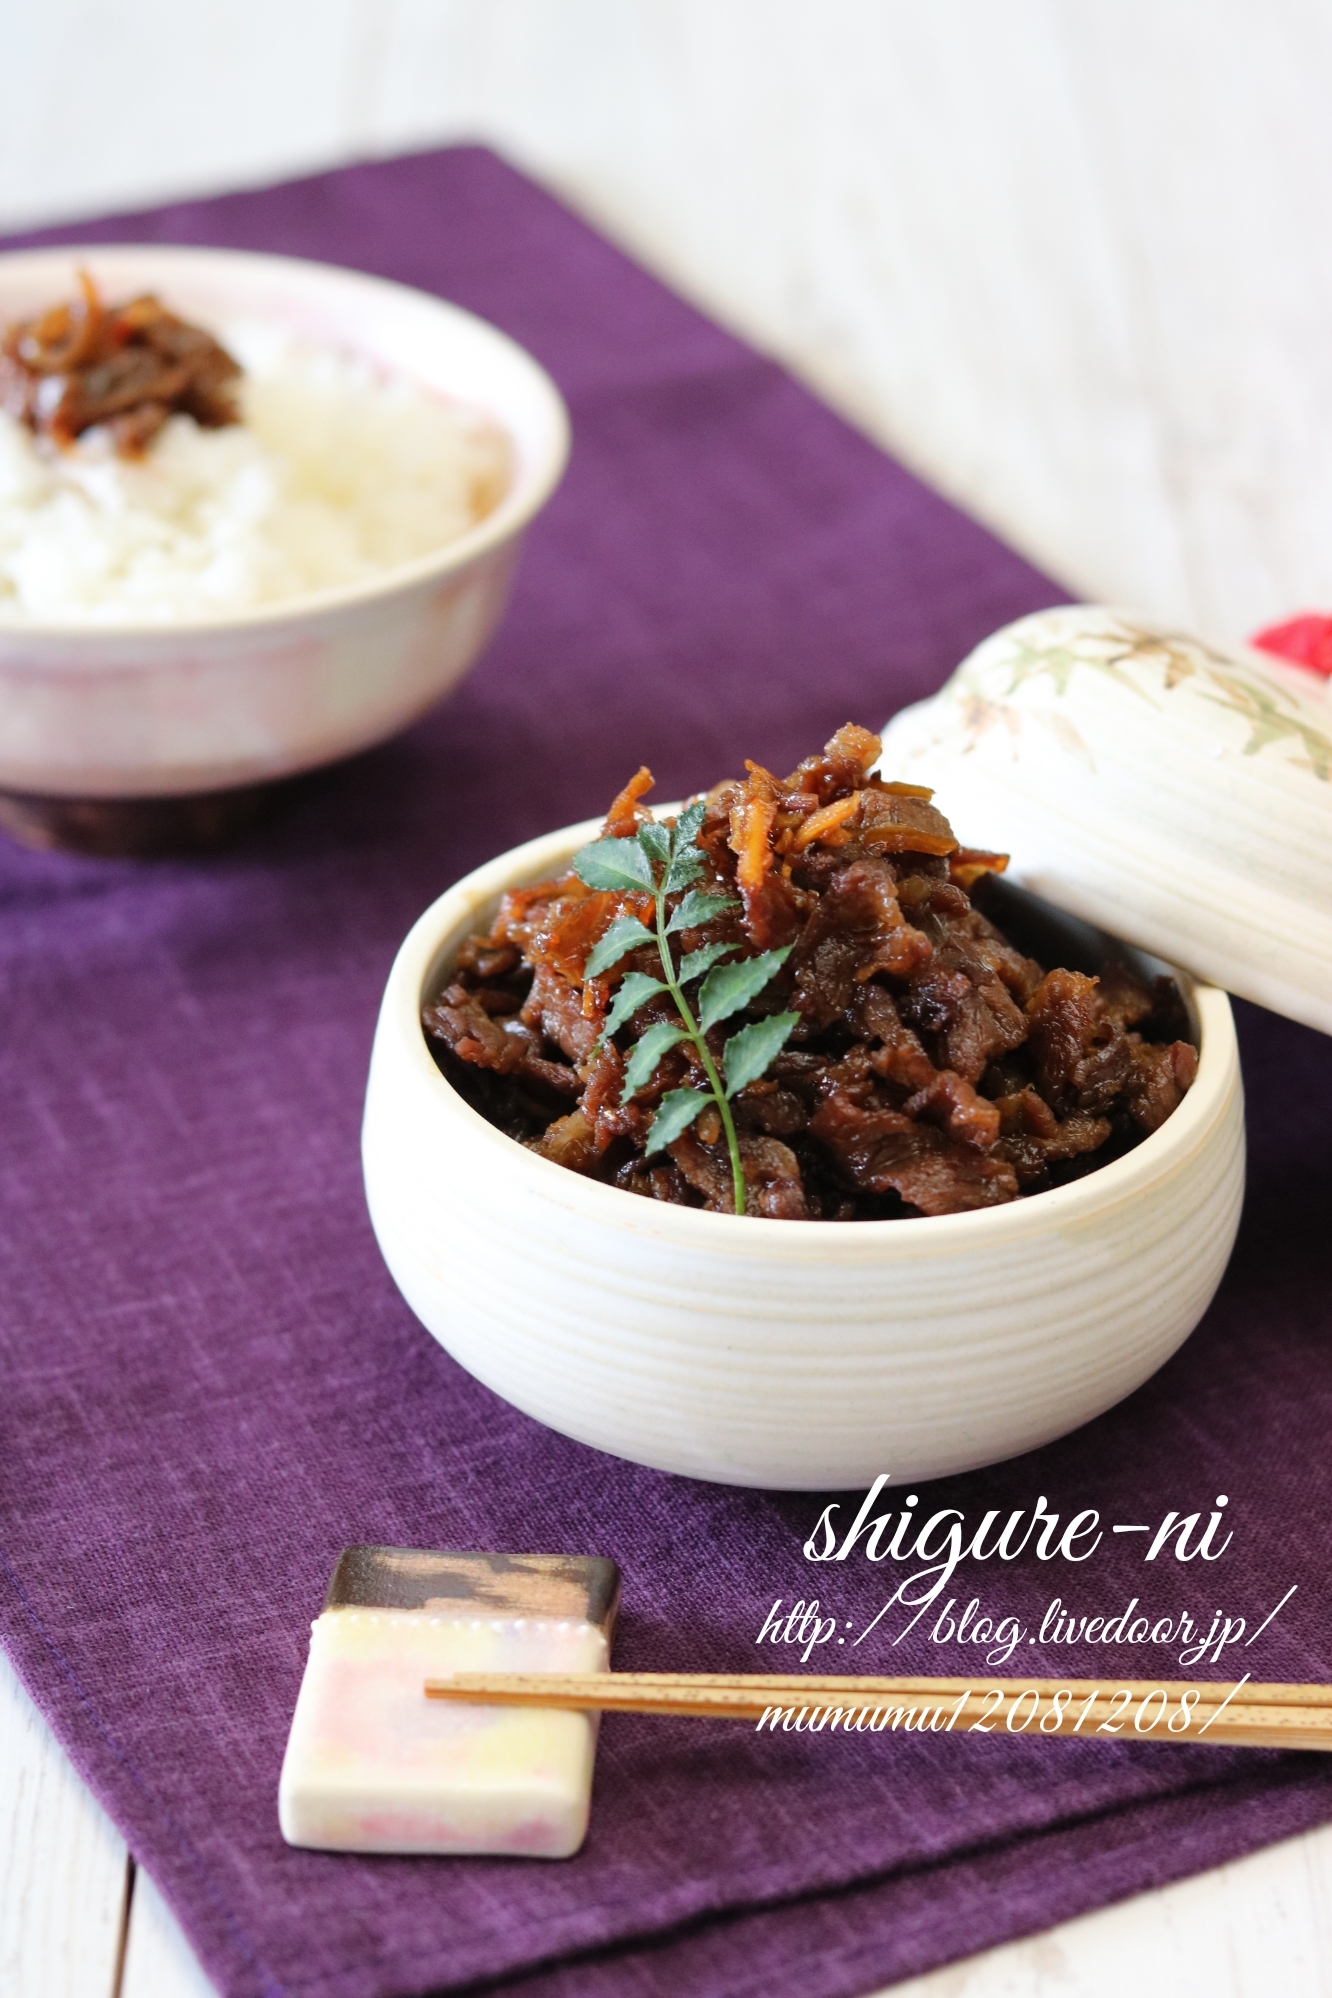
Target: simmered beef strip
x,y
1158,1079
856,930
880,1150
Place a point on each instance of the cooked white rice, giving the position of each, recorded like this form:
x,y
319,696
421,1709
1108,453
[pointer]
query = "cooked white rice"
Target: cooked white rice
x,y
336,474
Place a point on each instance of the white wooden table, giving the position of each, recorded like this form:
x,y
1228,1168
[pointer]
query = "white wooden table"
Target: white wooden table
x,y
1069,258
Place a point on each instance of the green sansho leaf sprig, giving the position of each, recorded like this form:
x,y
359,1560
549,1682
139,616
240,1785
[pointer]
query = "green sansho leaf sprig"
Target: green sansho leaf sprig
x,y
664,861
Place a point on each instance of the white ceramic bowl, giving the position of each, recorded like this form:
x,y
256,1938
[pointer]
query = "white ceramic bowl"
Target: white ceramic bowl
x,y
803,1355
190,707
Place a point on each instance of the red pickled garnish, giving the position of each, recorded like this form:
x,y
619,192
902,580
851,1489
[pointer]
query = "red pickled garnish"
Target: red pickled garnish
x,y
1305,640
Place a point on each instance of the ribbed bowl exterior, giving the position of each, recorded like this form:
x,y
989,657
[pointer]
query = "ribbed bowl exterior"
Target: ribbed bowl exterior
x,y
785,1354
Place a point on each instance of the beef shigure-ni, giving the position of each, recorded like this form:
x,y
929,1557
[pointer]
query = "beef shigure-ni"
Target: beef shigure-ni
x,y
929,1067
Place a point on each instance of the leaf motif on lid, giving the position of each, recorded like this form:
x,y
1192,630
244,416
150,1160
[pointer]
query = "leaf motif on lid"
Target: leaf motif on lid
x,y
1272,711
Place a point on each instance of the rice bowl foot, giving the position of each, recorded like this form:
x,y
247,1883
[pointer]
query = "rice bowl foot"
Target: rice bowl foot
x,y
142,828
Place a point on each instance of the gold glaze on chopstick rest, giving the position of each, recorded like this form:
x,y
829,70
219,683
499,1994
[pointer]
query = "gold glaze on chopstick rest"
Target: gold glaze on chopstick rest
x,y
1172,792
550,1585
371,1766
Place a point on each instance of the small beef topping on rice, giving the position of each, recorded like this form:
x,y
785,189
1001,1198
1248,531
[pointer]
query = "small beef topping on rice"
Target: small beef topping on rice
x,y
128,367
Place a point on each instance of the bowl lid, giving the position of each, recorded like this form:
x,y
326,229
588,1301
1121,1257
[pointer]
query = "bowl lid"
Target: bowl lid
x,y
1173,793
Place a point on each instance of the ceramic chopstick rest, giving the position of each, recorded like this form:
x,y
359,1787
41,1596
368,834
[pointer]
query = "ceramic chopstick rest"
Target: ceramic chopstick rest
x,y
373,1766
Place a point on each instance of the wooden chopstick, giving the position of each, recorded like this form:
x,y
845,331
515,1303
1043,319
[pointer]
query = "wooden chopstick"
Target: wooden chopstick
x,y
1244,1714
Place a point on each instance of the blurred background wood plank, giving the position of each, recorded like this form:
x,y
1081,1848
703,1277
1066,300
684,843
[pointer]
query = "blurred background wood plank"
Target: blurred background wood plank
x,y
1261,1925
63,1866
159,1963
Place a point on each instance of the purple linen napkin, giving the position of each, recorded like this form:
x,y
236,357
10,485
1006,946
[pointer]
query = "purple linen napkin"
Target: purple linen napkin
x,y
210,1383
